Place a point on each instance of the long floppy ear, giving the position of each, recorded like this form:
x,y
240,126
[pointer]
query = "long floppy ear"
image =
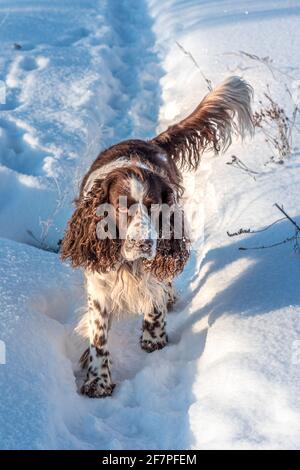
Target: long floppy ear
x,y
81,243
172,253
171,257
225,110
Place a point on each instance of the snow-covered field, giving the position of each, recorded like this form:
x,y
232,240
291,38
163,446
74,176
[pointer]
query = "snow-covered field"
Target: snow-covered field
x,y
80,75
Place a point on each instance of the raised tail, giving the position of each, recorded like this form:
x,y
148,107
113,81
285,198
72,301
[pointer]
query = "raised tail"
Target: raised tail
x,y
224,111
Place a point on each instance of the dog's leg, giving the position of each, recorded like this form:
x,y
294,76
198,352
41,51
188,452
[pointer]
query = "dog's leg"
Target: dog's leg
x,y
154,331
172,297
98,382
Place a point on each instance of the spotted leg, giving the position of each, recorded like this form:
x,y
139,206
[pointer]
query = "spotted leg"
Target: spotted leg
x,y
172,297
154,331
98,381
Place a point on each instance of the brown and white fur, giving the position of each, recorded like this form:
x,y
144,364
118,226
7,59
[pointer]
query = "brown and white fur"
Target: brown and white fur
x,y
134,273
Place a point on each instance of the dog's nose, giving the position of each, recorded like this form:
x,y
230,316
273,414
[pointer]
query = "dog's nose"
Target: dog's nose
x,y
144,245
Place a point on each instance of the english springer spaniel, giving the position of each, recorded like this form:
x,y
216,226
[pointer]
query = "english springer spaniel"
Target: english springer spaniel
x,y
118,232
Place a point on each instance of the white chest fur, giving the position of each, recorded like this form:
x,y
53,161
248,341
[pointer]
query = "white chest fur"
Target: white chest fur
x,y
128,291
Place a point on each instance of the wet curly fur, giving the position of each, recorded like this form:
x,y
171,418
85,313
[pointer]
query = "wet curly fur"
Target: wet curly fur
x,y
81,244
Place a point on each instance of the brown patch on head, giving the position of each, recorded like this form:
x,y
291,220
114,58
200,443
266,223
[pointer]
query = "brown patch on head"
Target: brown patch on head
x,y
139,151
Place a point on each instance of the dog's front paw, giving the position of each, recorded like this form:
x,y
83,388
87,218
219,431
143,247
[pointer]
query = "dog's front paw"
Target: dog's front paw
x,y
172,300
97,388
153,344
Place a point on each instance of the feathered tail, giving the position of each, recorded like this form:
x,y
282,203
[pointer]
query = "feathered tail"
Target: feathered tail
x,y
224,111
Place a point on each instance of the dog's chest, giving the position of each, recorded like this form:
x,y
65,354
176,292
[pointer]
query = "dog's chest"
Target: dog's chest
x,y
122,292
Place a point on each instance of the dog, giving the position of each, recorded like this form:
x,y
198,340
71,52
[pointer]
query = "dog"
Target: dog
x,y
117,232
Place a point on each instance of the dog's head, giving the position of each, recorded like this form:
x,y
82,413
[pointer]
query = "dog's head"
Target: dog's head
x,y
125,214
136,196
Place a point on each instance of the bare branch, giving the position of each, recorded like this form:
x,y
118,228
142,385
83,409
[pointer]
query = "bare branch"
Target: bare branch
x,y
243,231
287,216
264,247
192,58
238,163
293,238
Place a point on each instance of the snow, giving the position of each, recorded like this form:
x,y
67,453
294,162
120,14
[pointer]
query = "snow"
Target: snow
x,y
89,74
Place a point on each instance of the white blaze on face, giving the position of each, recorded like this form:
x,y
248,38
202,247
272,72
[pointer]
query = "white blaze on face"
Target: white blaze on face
x,y
140,228
138,190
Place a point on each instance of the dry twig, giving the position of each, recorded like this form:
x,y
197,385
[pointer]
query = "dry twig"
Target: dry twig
x,y
192,58
238,163
294,238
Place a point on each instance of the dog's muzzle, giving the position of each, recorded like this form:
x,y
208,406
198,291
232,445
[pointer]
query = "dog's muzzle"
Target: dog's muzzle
x,y
141,237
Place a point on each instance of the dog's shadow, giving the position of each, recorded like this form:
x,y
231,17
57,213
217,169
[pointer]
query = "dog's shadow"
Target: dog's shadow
x,y
271,280
263,280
